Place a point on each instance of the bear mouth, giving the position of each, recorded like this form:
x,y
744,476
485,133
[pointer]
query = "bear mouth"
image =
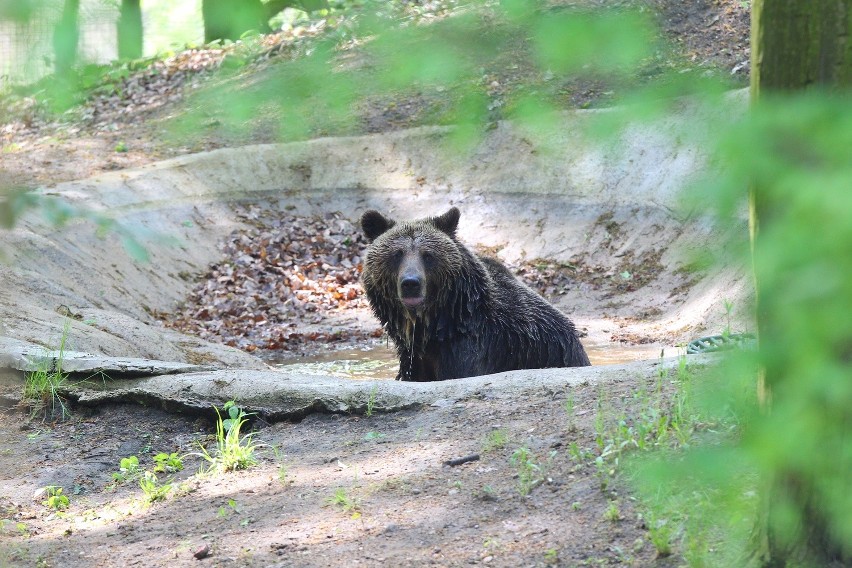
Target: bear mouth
x,y
412,302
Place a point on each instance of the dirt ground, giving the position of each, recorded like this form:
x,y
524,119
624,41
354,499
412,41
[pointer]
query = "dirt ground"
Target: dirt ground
x,y
403,505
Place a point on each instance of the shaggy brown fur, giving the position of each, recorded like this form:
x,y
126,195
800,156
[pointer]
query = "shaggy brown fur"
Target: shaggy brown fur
x,y
452,314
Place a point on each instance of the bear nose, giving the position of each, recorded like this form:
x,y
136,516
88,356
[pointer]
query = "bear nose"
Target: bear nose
x,y
410,287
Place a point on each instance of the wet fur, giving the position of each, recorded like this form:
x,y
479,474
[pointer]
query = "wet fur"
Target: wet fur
x,y
476,317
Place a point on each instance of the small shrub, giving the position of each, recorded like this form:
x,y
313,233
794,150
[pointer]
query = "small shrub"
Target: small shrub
x,y
346,503
167,463
495,440
371,402
233,452
612,513
55,498
529,471
660,533
128,469
153,489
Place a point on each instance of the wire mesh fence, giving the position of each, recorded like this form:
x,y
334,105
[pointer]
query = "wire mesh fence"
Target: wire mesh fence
x,y
26,48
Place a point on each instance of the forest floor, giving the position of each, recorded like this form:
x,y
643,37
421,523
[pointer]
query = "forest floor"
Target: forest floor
x,y
333,489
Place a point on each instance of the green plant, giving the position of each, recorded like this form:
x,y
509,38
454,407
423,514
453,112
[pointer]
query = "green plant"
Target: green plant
x,y
232,508
578,454
55,498
283,468
528,470
343,500
487,493
612,512
729,309
370,436
10,526
371,401
167,463
569,410
660,533
495,440
42,387
128,469
604,471
152,487
234,414
233,451
600,419
551,556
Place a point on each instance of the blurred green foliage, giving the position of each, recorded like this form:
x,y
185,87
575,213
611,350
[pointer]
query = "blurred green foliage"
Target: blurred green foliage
x,y
461,66
17,10
16,203
797,149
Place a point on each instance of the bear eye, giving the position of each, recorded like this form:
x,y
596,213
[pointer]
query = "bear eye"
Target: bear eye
x,y
397,256
427,257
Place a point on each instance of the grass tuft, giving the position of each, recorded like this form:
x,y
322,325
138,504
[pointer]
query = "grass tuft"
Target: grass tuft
x,y
42,386
233,452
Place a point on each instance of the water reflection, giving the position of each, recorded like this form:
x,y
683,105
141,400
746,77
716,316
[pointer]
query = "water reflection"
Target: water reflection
x,y
380,362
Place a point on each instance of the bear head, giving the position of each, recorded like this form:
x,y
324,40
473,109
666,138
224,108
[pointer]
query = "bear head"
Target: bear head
x,y
412,262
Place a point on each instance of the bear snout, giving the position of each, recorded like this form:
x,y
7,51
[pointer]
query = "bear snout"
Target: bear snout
x,y
411,290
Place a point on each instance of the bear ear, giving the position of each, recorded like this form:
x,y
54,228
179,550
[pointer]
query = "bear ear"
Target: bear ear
x,y
374,224
448,222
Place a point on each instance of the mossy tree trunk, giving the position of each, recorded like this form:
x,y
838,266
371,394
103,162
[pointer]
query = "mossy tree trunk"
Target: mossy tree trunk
x,y
130,31
796,45
230,19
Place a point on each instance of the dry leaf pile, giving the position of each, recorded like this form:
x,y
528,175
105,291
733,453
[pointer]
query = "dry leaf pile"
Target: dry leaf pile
x,y
125,92
165,80
279,275
552,278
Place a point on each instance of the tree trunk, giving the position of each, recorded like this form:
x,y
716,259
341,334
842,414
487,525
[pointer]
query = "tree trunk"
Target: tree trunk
x,y
275,6
65,38
17,11
795,45
130,30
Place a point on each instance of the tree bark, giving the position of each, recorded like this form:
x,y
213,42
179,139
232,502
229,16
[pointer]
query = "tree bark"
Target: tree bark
x,y
130,32
66,37
275,6
230,19
799,44
795,45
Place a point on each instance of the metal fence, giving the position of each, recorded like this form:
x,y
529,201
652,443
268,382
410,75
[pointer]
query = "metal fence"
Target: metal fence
x,y
26,49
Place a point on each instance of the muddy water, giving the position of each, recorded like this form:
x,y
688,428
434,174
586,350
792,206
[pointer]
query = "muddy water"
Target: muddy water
x,y
360,364
381,362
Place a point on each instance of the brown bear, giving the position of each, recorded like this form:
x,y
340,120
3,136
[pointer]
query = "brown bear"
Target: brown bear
x,y
453,314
